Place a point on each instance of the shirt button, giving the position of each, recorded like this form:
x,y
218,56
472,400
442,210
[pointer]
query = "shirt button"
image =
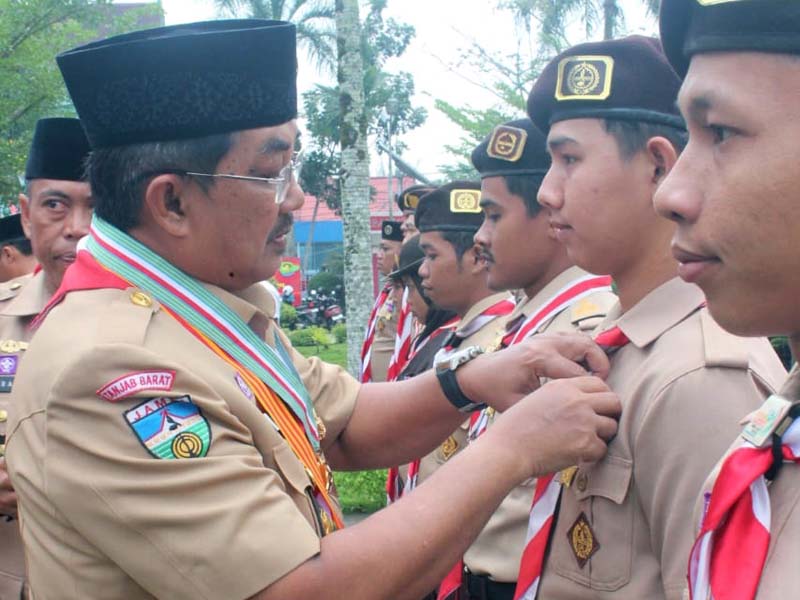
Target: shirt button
x,y
3,416
2,449
582,482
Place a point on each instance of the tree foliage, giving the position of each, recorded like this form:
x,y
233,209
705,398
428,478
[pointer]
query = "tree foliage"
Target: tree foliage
x,y
32,33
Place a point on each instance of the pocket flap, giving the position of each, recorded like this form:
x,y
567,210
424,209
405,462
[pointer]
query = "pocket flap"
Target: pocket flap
x,y
291,468
609,478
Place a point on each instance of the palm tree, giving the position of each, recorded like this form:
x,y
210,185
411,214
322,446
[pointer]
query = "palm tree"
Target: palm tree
x,y
314,19
354,177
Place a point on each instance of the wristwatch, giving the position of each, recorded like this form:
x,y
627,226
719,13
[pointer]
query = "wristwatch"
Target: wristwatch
x,y
446,374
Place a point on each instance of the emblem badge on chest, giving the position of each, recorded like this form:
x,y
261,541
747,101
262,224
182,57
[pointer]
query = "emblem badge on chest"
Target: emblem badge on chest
x,y
582,540
8,369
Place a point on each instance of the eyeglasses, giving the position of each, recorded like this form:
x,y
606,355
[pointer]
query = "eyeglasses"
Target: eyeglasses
x,y
280,184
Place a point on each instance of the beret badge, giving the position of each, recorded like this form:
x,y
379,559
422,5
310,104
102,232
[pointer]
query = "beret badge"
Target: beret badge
x,y
465,201
584,78
507,143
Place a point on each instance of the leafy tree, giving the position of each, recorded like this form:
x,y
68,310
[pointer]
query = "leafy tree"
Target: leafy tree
x,y
32,33
314,20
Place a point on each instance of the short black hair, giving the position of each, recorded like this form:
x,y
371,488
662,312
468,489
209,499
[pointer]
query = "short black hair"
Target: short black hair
x,y
22,244
461,241
118,175
527,188
632,136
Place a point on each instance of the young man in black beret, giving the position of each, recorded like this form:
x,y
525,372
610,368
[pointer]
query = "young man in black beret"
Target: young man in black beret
x,y
16,254
382,325
622,525
56,211
407,202
733,194
521,253
167,441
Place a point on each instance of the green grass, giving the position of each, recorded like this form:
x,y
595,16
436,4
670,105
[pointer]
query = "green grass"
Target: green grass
x,y
335,353
359,491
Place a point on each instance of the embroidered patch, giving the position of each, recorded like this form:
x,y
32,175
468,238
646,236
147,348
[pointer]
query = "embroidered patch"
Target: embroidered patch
x,y
582,539
567,475
170,427
244,387
507,143
584,78
133,383
12,346
8,369
465,201
449,447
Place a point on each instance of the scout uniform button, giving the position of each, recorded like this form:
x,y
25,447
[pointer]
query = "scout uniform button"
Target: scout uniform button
x,y
15,286
3,416
582,482
141,299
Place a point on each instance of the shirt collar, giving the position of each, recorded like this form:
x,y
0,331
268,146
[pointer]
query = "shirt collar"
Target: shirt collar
x,y
253,304
477,308
660,310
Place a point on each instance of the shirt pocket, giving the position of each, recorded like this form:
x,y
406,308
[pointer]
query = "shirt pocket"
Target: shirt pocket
x,y
600,493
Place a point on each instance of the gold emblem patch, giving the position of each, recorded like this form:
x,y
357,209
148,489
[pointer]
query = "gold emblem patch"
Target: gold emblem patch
x,y
567,475
449,447
412,200
465,201
141,299
582,539
584,78
10,346
507,143
187,445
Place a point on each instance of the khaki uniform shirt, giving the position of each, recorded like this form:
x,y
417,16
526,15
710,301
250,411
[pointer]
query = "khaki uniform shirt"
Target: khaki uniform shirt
x,y
624,524
21,299
780,578
483,337
383,341
498,549
100,515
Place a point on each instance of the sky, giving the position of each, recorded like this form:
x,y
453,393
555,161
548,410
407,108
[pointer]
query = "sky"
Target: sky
x,y
444,28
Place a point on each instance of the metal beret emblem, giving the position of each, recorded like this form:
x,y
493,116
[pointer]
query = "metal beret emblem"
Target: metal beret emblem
x,y
584,78
465,201
387,229
412,200
507,143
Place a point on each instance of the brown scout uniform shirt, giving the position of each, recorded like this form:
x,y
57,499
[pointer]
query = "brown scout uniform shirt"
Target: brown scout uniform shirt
x,y
483,337
624,527
21,299
101,517
498,549
780,578
383,342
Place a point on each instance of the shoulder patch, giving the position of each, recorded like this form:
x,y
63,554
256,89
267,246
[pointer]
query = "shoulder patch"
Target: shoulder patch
x,y
138,381
170,428
721,348
11,289
588,312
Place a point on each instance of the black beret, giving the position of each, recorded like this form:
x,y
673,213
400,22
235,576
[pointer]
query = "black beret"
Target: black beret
x,y
694,26
11,228
58,150
514,148
411,257
184,81
628,79
452,207
409,197
390,230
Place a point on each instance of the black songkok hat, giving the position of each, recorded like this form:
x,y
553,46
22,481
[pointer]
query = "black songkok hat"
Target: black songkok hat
x,y
11,229
628,79
409,198
514,148
690,27
390,230
411,257
183,81
452,207
58,150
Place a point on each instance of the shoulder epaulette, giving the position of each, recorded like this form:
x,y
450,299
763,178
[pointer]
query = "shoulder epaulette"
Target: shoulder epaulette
x,y
722,349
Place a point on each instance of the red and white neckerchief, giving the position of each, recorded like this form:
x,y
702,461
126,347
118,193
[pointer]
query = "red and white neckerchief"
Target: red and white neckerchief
x,y
545,501
394,490
728,556
366,349
500,308
402,343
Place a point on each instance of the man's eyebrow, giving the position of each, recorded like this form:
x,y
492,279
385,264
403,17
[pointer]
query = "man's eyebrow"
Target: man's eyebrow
x,y
558,141
488,203
699,107
275,145
50,192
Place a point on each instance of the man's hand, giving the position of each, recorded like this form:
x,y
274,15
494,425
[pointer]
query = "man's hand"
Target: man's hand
x,y
8,498
502,378
566,422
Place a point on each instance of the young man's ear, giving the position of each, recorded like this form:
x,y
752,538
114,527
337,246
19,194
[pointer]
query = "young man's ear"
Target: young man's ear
x,y
6,254
662,156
